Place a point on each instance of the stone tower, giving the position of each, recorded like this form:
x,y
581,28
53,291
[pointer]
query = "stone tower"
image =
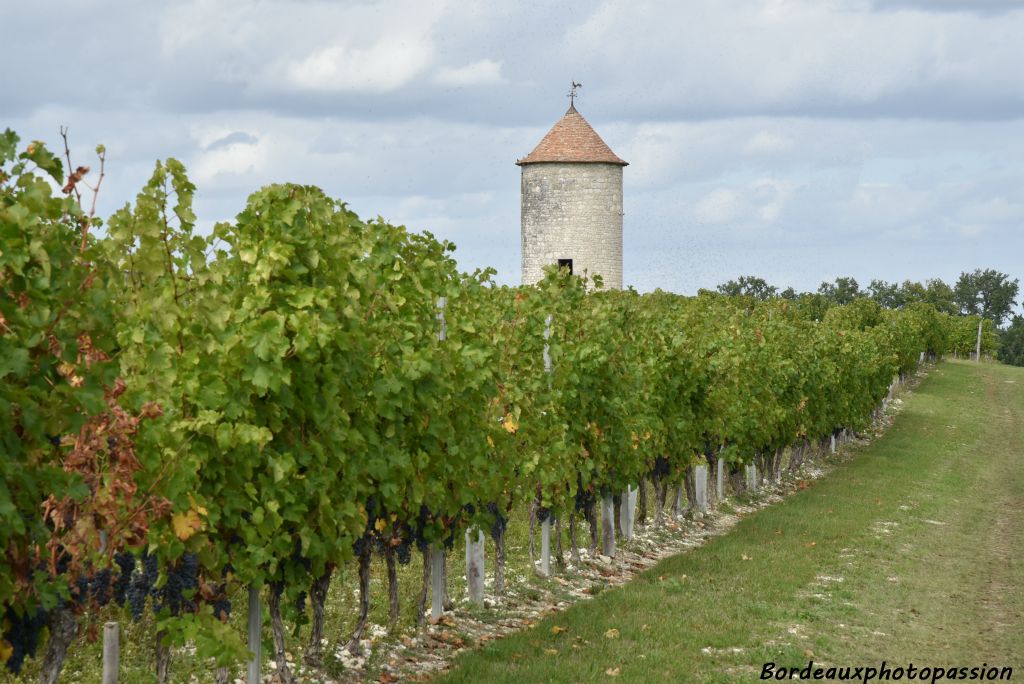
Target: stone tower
x,y
572,203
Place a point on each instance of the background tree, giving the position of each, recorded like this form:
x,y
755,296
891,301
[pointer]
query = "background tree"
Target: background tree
x,y
1011,349
842,291
938,294
888,295
749,286
789,293
987,293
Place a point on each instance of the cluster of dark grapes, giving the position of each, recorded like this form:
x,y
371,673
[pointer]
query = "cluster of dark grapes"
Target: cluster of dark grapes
x,y
404,551
22,633
93,588
99,587
500,521
182,581
141,584
82,589
661,468
585,500
126,565
363,543
422,521
543,514
400,540
299,559
222,604
449,541
425,520
222,608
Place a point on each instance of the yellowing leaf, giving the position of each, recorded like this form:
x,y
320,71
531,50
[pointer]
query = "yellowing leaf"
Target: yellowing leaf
x,y
510,424
186,524
5,650
380,524
490,442
201,510
557,630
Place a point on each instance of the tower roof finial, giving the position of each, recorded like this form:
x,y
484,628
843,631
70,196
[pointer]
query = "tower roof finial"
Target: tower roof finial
x,y
572,93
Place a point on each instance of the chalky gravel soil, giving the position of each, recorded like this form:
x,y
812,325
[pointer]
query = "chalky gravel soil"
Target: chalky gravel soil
x,y
909,551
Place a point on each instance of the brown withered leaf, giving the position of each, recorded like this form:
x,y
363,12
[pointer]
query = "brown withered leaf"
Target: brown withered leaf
x,y
74,178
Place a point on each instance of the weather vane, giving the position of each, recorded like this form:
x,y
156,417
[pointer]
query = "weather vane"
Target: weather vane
x,y
572,93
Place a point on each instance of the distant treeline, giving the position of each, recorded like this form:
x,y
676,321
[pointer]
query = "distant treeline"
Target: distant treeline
x,y
986,293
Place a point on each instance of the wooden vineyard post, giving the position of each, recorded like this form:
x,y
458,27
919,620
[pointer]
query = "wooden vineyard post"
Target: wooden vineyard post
x,y
475,565
720,478
442,332
437,576
608,525
752,477
545,547
437,588
111,652
701,487
633,493
977,349
545,527
627,511
624,514
255,637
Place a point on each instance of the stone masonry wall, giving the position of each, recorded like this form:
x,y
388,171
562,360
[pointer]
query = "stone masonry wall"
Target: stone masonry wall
x,y
572,211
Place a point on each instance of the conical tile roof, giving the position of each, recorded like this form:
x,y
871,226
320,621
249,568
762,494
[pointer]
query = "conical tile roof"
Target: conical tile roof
x,y
572,139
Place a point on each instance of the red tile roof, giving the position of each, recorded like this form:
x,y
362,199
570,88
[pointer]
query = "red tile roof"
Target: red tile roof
x,y
572,140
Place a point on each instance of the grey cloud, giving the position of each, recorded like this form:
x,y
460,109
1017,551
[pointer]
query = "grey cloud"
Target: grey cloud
x,y
236,137
692,61
973,6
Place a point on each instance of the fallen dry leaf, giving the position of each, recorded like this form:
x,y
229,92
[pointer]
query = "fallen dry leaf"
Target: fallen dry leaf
x,y
550,651
745,557
557,630
611,634
613,671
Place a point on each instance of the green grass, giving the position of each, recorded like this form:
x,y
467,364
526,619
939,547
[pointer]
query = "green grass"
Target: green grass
x,y
909,552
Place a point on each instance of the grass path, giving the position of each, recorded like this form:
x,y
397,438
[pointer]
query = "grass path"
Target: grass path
x,y
912,551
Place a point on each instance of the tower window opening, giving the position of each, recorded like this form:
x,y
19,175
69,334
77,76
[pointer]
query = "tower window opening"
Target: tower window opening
x,y
565,263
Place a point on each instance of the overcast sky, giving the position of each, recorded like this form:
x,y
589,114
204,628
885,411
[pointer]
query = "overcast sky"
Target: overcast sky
x,y
798,140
